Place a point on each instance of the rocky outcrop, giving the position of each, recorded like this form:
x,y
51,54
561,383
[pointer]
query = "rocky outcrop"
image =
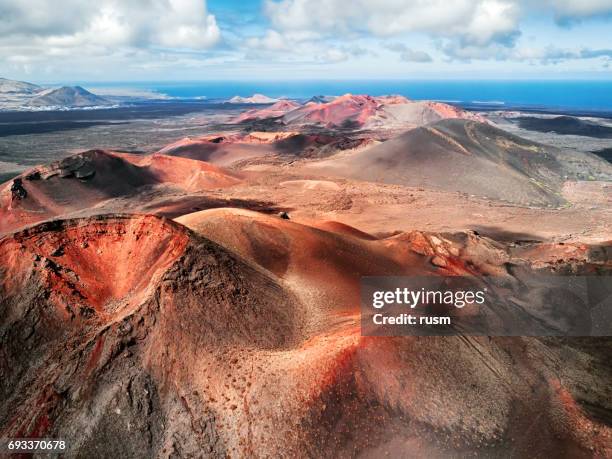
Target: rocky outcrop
x,y
18,192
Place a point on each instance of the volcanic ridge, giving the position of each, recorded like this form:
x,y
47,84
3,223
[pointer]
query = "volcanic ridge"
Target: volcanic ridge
x,y
203,299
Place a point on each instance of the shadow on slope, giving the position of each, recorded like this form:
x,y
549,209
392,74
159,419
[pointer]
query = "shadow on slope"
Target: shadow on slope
x,y
472,158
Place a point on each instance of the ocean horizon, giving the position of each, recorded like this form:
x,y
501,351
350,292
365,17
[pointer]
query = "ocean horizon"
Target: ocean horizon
x,y
588,95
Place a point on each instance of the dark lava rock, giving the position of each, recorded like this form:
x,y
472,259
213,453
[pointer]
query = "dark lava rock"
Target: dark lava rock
x,y
17,189
85,172
58,252
33,176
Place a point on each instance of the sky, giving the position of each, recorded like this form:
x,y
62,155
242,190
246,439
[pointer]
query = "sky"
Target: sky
x,y
192,40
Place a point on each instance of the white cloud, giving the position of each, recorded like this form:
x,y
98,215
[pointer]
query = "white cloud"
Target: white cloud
x,y
471,21
492,22
137,23
271,41
463,30
300,45
536,55
110,39
101,39
408,54
44,17
186,24
555,55
580,9
334,55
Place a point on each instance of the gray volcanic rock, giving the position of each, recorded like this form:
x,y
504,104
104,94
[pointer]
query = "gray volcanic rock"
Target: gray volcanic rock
x,y
68,96
565,125
473,158
320,99
16,94
15,87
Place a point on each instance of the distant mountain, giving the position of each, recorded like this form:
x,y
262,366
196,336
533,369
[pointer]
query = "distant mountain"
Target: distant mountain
x,y
368,112
14,87
21,95
320,99
67,96
254,99
345,111
278,109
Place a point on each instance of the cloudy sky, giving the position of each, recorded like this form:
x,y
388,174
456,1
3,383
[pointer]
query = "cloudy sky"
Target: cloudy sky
x,y
154,40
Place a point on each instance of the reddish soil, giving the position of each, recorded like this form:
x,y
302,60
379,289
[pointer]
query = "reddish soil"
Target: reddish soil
x,y
88,179
234,329
189,346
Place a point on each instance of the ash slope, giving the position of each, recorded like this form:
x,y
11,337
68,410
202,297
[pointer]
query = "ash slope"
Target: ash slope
x,y
17,87
123,334
87,179
182,348
473,158
231,150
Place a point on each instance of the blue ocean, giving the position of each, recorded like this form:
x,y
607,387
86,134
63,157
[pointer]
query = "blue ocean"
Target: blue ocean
x,y
594,95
